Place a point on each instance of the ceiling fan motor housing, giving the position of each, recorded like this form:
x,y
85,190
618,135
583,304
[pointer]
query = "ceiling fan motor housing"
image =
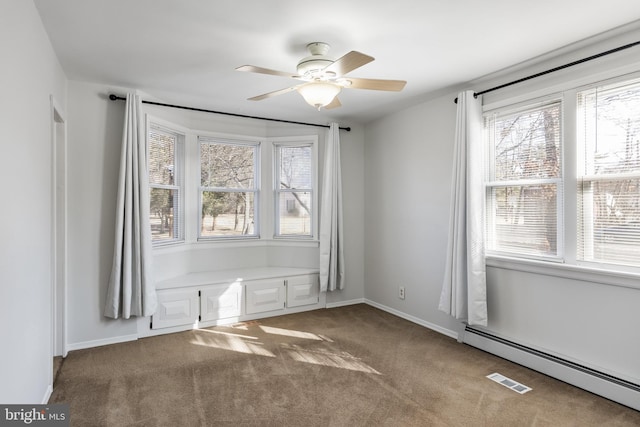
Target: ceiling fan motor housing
x,y
311,67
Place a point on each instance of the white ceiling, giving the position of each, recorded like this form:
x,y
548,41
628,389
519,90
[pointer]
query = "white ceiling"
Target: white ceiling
x,y
186,51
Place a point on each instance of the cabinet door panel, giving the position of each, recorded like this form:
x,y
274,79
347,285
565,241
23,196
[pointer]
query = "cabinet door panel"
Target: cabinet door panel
x,y
175,308
265,295
221,302
302,290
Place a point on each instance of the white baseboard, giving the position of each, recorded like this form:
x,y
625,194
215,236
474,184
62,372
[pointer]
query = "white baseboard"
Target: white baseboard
x,y
582,377
97,343
47,394
432,326
345,303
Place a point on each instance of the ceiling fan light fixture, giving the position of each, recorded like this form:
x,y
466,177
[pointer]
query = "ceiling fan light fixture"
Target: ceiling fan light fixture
x,y
323,77
319,94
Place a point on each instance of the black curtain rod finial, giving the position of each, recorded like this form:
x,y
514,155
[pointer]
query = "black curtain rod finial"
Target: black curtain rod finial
x,y
475,95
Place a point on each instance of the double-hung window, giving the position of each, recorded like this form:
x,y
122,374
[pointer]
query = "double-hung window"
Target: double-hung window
x,y
229,188
609,174
528,196
294,194
524,181
166,176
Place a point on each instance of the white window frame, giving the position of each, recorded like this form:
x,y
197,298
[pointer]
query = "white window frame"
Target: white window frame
x,y
491,183
570,266
256,190
585,254
161,126
306,141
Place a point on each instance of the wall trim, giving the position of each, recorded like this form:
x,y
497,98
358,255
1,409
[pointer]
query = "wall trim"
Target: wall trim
x,y
47,394
429,325
105,341
345,303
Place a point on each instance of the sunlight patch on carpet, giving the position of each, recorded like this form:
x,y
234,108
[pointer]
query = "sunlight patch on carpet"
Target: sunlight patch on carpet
x,y
342,360
290,333
212,331
248,344
232,342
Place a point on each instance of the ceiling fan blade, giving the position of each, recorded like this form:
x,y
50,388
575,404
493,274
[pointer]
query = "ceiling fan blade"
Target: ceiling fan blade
x,y
260,70
274,93
348,63
373,84
333,104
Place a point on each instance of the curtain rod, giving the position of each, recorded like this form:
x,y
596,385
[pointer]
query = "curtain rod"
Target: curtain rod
x,y
552,70
120,98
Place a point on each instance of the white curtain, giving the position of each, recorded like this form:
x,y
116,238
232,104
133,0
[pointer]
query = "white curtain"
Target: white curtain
x,y
331,234
131,289
464,291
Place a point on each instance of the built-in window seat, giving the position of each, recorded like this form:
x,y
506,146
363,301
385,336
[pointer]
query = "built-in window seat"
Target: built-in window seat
x,y
209,298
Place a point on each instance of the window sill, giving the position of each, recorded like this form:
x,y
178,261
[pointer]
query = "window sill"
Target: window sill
x,y
292,241
604,276
234,243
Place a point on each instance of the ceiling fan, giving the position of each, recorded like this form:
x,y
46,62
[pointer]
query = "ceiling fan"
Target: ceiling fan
x,y
323,77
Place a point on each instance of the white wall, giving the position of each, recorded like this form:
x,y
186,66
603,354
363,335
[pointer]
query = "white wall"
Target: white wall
x,y
29,75
585,319
95,133
408,158
94,139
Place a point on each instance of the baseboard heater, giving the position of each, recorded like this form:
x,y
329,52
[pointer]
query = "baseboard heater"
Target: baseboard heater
x,y
594,381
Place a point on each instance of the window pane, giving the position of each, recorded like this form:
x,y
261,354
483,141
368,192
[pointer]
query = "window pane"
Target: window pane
x,y
163,206
165,181
525,149
524,220
609,139
295,167
611,129
611,221
526,145
295,213
162,158
227,165
227,214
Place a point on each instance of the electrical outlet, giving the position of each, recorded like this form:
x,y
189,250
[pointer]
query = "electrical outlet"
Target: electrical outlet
x,y
401,292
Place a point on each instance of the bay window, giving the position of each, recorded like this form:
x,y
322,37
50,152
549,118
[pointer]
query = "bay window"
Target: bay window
x,y
209,188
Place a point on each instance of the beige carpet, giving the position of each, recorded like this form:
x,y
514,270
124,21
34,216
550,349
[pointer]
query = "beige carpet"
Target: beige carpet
x,y
349,366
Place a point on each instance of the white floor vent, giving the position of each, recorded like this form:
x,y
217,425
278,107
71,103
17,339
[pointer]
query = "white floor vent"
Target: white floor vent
x,y
509,383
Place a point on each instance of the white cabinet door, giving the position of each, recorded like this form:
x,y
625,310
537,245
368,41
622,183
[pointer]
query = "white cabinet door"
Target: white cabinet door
x,y
265,295
303,290
220,302
176,307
